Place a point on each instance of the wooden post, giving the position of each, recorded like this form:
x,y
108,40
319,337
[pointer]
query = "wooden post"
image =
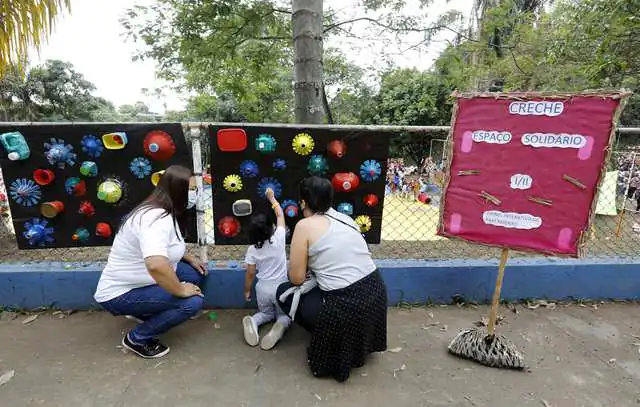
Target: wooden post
x,y
495,302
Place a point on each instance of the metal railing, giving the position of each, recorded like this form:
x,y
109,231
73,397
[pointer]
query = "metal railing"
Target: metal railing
x,y
411,208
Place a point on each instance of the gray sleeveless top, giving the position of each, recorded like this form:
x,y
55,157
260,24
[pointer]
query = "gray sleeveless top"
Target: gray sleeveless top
x,y
341,256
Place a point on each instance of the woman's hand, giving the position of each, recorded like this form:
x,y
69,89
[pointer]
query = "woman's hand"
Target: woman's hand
x,y
190,290
196,264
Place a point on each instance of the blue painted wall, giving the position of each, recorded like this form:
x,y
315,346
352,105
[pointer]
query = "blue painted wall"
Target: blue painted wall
x,y
71,286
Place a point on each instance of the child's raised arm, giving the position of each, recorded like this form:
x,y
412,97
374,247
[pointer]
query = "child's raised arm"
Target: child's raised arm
x,y
277,209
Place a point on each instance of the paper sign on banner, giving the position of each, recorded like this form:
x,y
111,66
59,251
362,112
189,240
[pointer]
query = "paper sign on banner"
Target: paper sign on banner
x,y
525,168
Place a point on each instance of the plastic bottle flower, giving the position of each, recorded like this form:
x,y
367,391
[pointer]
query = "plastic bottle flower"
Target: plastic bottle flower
x,y
232,183
269,182
249,168
265,143
140,167
317,165
279,164
59,154
38,233
303,144
345,208
370,170
25,192
92,146
364,222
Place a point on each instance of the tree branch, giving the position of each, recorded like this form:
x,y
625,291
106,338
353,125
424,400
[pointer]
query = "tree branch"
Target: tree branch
x,y
396,29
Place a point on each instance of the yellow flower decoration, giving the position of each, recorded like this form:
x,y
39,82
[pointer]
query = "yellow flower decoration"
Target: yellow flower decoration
x,y
232,183
364,222
303,144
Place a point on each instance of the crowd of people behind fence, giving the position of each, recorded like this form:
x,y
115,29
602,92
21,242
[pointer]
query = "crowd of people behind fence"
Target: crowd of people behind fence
x,y
629,177
411,180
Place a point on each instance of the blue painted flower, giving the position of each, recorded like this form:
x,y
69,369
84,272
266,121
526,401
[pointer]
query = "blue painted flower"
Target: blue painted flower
x,y
37,233
370,170
249,168
59,154
92,146
140,167
25,192
272,183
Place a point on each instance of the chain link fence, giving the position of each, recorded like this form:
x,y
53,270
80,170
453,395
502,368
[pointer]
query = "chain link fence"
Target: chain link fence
x,y
411,211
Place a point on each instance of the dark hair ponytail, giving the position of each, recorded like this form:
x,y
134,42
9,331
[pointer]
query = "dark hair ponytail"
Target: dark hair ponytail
x,y
317,193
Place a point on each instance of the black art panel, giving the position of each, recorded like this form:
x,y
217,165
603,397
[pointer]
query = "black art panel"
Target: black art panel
x,y
230,160
25,175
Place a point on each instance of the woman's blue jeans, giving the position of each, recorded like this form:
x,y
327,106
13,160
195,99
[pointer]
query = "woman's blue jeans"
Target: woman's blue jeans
x,y
159,309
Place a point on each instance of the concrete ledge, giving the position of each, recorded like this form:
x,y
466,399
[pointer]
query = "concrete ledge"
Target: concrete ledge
x,y
71,285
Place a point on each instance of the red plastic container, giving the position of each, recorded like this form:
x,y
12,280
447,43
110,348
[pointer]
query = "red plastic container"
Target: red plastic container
x,y
232,140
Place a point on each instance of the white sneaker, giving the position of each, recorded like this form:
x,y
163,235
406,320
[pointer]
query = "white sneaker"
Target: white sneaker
x,y
273,337
250,331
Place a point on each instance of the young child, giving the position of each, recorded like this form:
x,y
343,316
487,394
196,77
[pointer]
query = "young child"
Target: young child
x,y
266,258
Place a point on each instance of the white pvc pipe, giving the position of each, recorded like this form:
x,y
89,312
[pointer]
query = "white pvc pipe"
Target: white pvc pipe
x,y
197,170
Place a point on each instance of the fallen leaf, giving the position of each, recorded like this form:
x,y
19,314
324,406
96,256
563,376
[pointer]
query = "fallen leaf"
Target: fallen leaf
x,y
612,361
396,371
430,314
4,379
30,319
541,303
395,350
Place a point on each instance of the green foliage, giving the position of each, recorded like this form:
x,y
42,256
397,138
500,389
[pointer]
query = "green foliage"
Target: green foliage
x,y
51,92
409,97
577,45
238,48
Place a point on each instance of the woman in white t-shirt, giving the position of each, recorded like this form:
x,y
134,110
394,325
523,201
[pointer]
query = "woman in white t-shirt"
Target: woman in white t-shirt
x,y
148,276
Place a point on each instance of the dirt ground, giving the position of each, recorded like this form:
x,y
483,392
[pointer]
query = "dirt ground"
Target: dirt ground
x,y
578,355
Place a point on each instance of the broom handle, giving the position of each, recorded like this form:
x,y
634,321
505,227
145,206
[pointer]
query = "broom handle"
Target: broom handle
x,y
495,302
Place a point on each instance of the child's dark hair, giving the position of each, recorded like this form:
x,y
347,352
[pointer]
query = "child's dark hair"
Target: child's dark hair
x,y
260,230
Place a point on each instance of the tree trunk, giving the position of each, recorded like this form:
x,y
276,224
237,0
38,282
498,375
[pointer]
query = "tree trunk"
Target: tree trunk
x,y
307,62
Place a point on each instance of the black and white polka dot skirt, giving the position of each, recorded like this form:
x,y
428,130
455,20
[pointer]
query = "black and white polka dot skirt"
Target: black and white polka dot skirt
x,y
351,325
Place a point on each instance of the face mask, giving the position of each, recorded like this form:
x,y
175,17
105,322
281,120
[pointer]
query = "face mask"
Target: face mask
x,y
192,198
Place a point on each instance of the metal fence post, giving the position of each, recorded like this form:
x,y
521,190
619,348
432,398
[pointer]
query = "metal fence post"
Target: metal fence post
x,y
197,171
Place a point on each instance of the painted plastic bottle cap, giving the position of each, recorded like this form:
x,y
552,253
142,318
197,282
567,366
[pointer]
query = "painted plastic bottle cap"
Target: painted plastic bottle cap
x,y
14,156
153,147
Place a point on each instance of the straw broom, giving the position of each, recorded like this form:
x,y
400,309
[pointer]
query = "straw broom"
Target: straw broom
x,y
488,348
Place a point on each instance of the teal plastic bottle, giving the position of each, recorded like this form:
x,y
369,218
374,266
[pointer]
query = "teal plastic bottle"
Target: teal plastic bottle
x,y
15,145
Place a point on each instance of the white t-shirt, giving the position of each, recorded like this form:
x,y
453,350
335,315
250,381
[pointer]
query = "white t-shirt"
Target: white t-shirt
x,y
146,233
271,259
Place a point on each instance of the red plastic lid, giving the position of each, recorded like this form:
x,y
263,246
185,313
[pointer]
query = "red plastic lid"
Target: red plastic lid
x,y
232,140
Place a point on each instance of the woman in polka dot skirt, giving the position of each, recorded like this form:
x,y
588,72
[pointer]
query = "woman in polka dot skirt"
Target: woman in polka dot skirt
x,y
346,312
